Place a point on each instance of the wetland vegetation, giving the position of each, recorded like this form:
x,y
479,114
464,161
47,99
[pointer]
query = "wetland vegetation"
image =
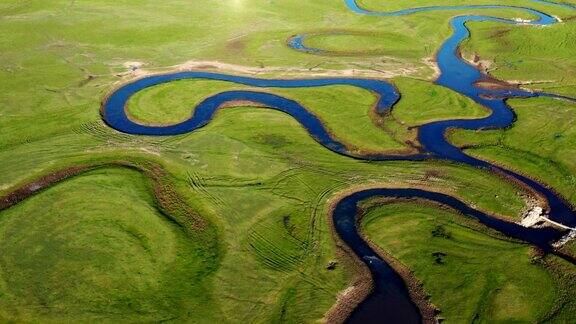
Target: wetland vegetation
x,y
231,222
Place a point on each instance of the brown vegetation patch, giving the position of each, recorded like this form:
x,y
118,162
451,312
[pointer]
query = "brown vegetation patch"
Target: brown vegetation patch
x,y
33,187
236,45
494,84
169,201
499,32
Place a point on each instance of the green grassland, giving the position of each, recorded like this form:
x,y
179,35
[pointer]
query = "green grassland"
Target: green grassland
x,y
541,143
392,6
347,112
471,274
540,60
96,248
102,248
271,204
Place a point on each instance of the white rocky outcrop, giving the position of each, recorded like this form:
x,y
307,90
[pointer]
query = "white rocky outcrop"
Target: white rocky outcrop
x,y
533,217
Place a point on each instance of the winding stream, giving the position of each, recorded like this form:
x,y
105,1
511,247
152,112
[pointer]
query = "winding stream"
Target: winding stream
x,y
390,301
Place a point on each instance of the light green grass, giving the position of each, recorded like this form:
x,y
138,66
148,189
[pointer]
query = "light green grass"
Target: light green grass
x,y
345,110
377,43
254,172
377,5
423,103
541,143
251,177
173,102
540,57
348,112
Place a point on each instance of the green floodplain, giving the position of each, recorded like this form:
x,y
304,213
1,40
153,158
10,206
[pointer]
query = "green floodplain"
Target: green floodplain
x,y
121,241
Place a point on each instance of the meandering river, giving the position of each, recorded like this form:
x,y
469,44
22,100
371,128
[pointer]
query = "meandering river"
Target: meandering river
x,y
390,300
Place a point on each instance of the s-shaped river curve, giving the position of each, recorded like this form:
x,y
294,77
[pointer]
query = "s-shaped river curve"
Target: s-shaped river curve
x,y
390,300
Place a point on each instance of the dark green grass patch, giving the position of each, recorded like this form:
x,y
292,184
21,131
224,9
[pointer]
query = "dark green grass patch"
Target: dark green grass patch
x,y
96,248
471,275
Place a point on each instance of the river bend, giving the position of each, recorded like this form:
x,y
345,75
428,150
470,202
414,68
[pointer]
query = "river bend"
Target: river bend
x,y
390,301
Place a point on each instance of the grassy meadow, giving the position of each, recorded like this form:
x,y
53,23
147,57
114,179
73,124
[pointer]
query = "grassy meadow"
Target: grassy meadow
x,y
348,112
98,247
116,258
470,273
540,143
541,60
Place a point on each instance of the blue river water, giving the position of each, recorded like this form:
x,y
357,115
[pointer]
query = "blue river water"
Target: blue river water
x,y
390,301
114,112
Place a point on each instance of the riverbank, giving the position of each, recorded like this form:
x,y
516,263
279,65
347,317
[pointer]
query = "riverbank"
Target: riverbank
x,y
448,253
